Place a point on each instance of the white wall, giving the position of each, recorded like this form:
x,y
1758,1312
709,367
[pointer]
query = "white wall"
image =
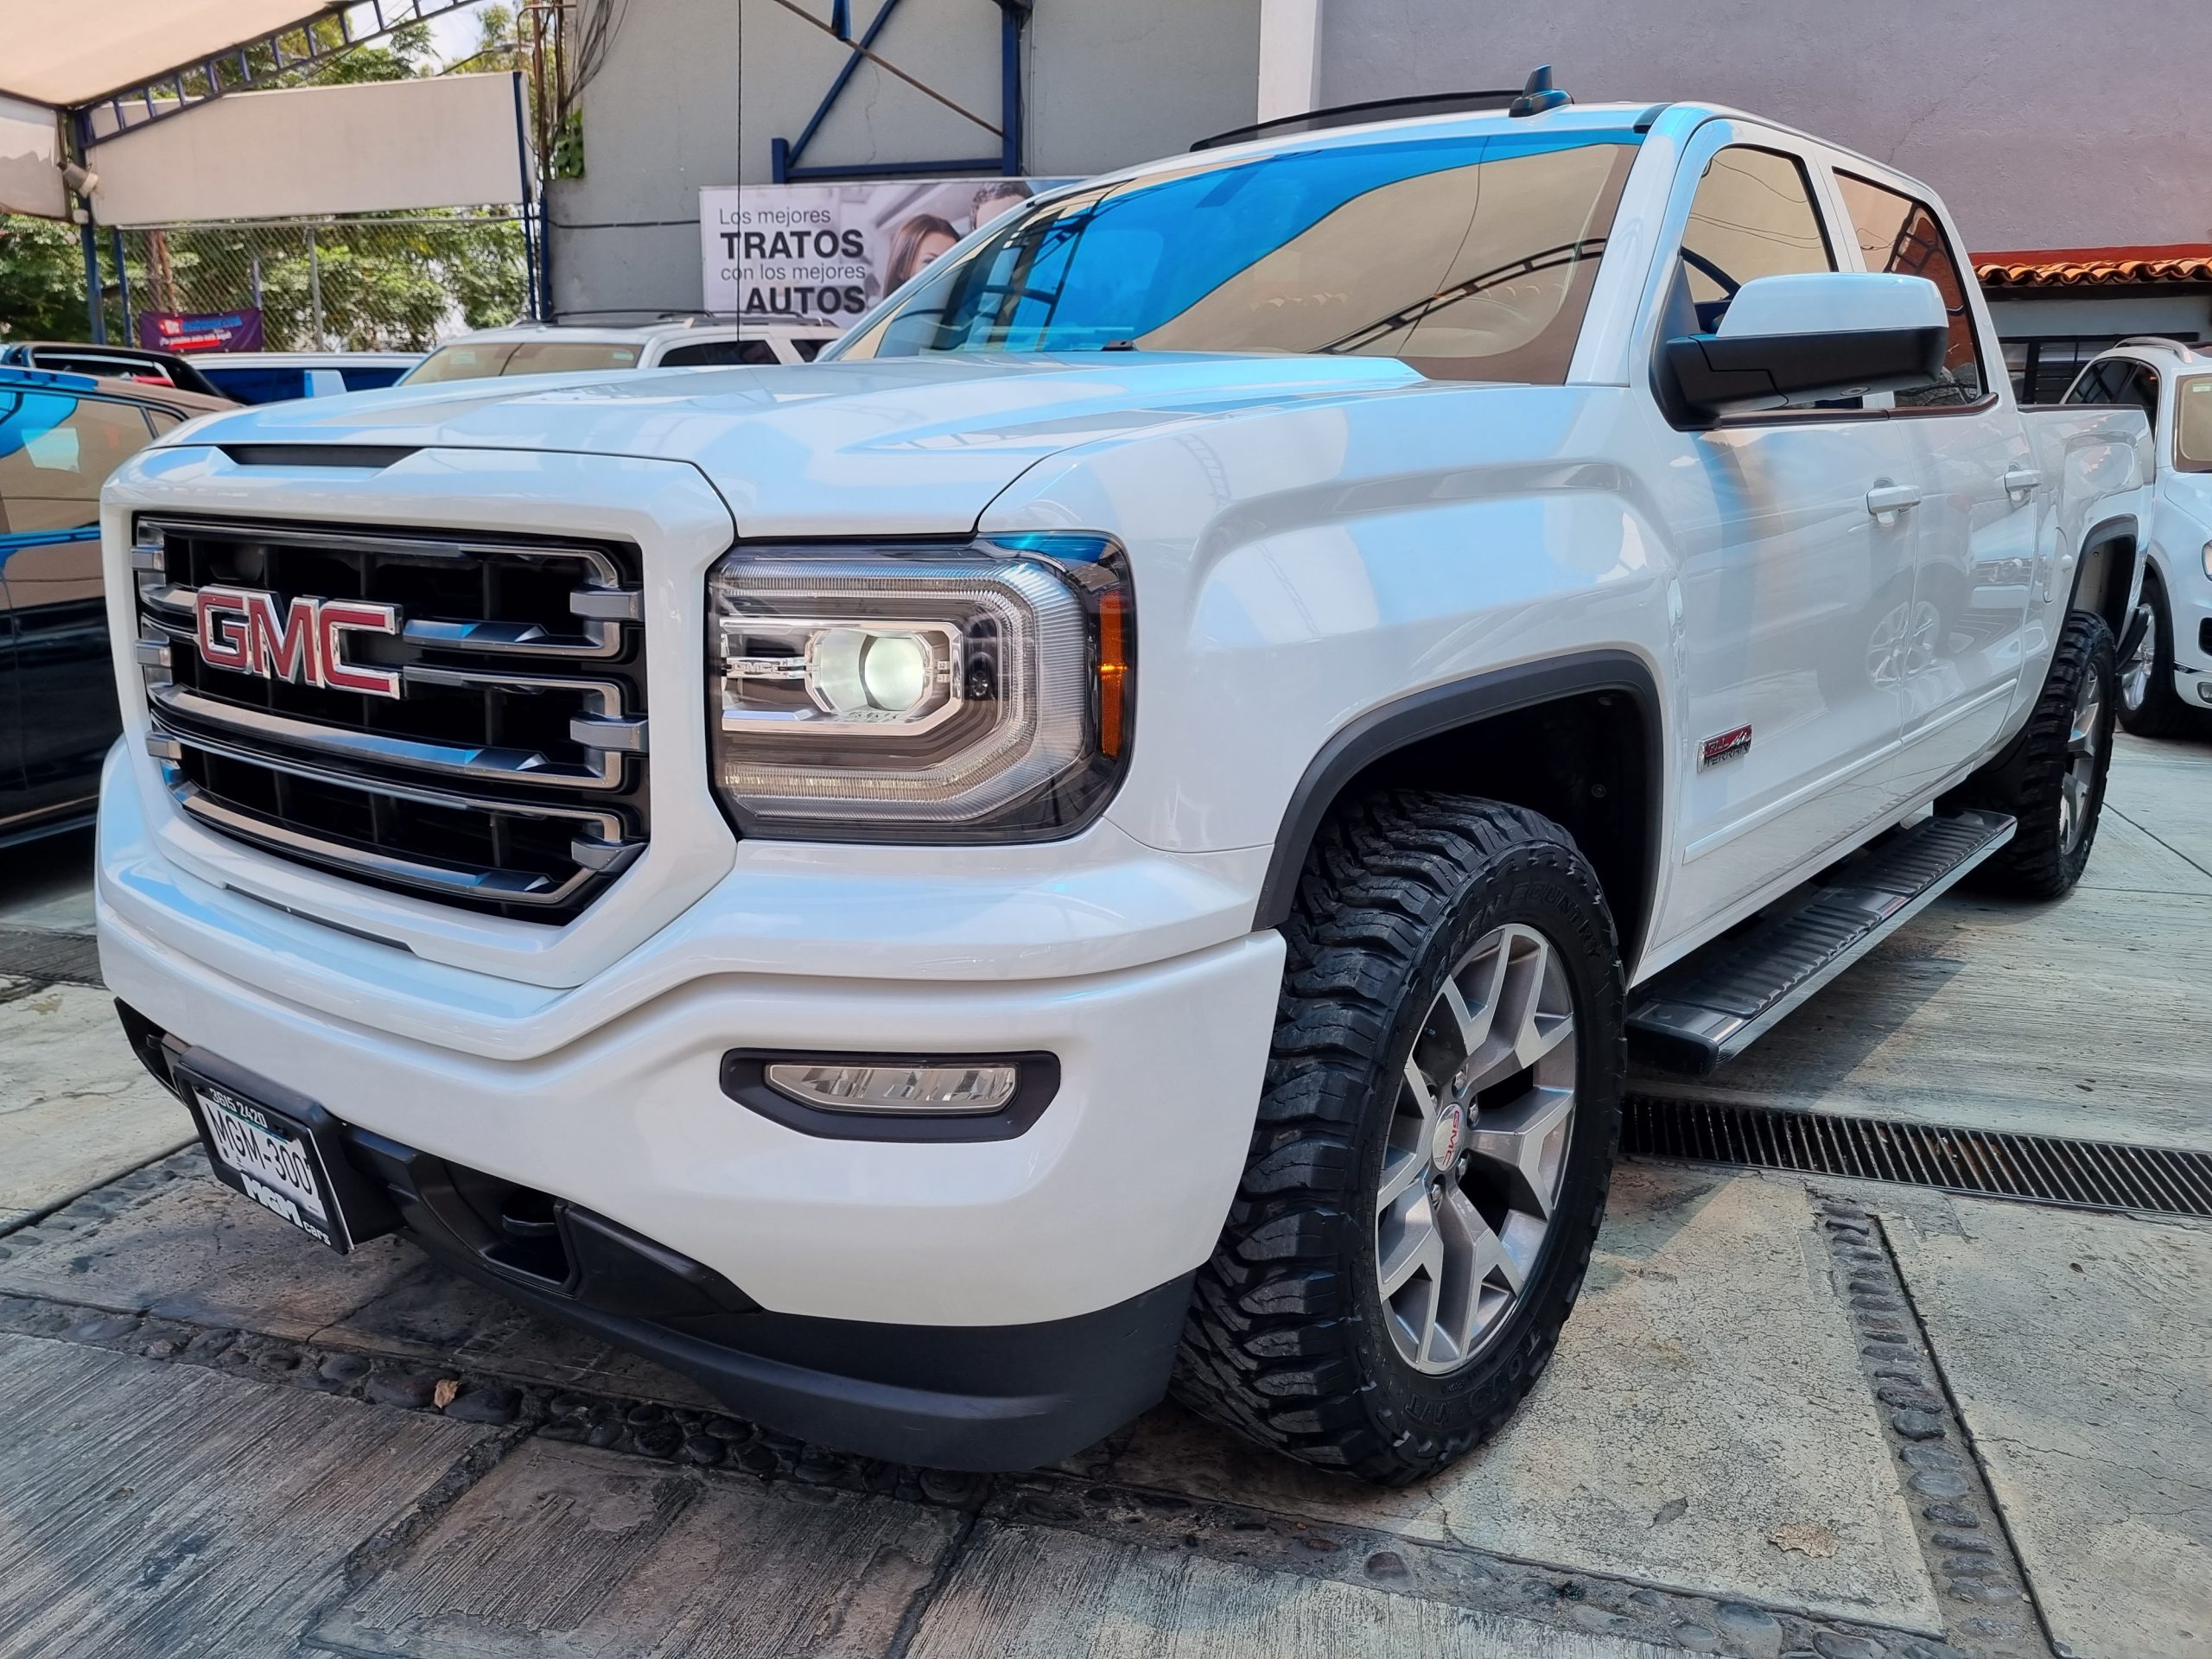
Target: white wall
x,y
693,92
2043,123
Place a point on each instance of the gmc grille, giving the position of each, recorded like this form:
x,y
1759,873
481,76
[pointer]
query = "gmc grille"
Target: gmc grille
x,y
508,777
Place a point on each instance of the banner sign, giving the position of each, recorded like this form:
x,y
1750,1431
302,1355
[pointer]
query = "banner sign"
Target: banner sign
x,y
821,254
185,331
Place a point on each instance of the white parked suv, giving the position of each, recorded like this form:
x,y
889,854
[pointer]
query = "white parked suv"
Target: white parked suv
x,y
1122,825
569,348
2165,674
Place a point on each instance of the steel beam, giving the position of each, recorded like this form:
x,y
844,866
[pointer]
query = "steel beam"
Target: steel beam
x,y
176,98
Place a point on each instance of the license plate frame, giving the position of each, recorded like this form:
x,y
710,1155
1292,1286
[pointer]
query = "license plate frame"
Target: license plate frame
x,y
284,1152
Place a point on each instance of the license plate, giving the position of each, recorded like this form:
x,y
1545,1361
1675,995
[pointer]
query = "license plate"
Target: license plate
x,y
280,1157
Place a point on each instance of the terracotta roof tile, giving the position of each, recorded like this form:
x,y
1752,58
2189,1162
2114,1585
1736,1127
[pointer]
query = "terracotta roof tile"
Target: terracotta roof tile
x,y
2013,272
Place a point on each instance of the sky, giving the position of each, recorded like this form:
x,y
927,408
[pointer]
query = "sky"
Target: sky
x,y
455,31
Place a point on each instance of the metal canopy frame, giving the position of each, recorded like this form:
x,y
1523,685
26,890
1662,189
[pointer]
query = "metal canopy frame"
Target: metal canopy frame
x,y
786,155
135,107
234,71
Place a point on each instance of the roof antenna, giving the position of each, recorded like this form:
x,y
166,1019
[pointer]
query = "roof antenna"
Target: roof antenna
x,y
1538,94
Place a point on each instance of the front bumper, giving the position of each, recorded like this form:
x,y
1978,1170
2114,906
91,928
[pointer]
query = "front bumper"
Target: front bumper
x,y
2190,597
982,1397
945,1261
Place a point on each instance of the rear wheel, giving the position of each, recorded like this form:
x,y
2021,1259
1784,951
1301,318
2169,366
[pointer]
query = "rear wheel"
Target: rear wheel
x,y
1433,1145
2149,706
2052,779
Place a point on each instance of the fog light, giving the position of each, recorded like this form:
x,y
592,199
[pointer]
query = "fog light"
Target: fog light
x,y
935,1088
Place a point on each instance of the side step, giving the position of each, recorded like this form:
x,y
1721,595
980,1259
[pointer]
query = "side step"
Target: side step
x,y
1704,1011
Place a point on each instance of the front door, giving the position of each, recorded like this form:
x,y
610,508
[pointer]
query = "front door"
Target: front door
x,y
1796,574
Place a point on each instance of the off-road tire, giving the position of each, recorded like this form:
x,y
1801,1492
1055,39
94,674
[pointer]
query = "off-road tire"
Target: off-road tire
x,y
2027,781
1284,1341
2163,713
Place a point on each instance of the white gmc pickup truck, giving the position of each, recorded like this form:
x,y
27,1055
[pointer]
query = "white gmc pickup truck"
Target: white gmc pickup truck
x,y
1117,832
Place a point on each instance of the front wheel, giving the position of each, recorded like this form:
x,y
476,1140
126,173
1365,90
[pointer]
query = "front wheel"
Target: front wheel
x,y
2052,777
2149,706
1433,1145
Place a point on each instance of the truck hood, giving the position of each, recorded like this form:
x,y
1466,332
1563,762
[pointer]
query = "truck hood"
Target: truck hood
x,y
895,445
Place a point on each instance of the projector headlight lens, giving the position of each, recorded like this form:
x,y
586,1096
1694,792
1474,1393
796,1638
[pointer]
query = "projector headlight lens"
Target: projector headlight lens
x,y
946,694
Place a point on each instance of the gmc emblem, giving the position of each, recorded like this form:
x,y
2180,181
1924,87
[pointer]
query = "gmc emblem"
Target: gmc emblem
x,y
245,631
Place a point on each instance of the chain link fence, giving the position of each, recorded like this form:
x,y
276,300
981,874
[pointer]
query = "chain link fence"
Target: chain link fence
x,y
381,282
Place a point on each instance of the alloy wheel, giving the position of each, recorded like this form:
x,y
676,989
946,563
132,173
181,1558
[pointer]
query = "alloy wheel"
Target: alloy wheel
x,y
2135,672
2079,781
1476,1152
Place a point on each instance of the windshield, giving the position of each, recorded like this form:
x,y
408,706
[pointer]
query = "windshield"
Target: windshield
x,y
1467,256
464,361
2193,425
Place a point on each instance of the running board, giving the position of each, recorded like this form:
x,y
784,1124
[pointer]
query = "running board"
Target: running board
x,y
1696,1017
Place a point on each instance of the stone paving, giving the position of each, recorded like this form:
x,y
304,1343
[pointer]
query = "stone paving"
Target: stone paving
x,y
1789,1419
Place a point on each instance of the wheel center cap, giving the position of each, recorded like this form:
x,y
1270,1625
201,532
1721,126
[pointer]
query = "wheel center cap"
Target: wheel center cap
x,y
1444,1140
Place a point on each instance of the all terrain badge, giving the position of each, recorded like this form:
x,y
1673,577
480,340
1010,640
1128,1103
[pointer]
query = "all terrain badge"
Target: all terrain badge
x,y
1727,747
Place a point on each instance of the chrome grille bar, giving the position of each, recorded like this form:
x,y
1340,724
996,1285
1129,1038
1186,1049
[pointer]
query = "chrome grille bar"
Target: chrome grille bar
x,y
471,788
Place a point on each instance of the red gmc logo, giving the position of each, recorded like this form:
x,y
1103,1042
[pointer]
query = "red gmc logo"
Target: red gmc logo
x,y
249,631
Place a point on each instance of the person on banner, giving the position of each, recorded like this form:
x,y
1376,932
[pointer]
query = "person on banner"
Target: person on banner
x,y
914,245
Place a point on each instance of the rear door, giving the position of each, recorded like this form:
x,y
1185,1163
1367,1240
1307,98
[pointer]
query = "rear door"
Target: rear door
x,y
58,450
1974,532
1791,590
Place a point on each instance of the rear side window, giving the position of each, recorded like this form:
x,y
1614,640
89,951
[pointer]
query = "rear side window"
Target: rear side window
x,y
568,356
2093,386
55,452
2193,425
259,385
1752,216
374,378
1901,235
462,362
704,353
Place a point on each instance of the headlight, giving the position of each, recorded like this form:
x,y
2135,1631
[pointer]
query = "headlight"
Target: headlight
x,y
973,693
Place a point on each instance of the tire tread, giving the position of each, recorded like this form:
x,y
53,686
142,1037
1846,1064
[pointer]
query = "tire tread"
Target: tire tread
x,y
1268,1347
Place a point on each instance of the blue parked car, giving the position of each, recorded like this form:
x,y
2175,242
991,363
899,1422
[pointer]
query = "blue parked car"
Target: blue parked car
x,y
276,376
60,436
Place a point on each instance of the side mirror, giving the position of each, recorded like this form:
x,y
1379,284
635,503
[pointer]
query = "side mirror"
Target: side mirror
x,y
1830,334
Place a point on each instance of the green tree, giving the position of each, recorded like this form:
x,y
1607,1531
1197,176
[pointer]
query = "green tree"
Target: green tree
x,y
41,280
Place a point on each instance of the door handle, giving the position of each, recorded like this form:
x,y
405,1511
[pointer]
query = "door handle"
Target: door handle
x,y
2022,481
1886,501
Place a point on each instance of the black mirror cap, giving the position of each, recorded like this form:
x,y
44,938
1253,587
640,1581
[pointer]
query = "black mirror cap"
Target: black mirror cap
x,y
1739,375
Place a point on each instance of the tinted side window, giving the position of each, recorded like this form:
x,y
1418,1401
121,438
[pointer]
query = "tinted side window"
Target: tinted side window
x,y
55,452
1898,234
1752,216
373,378
2089,385
2143,389
755,352
260,385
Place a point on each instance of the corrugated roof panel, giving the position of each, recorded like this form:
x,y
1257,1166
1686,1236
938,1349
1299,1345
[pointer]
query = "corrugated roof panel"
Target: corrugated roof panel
x,y
65,53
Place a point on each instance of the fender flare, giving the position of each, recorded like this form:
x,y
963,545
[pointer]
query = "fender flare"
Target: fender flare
x,y
2122,527
1393,726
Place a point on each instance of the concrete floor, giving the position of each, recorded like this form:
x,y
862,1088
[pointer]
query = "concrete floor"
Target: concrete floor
x,y
1853,1422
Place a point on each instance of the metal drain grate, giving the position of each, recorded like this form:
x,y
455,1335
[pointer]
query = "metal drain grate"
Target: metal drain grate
x,y
2033,1168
